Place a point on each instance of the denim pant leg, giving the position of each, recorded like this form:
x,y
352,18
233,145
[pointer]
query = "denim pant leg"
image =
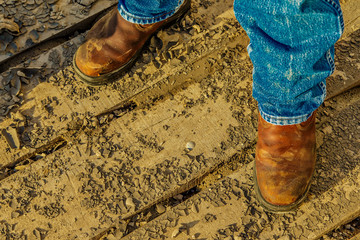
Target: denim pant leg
x,y
147,11
292,51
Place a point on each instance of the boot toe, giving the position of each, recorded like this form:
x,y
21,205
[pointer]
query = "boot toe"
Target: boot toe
x,y
84,63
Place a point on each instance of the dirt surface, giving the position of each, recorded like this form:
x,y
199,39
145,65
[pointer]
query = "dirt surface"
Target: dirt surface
x,y
347,54
210,213
165,151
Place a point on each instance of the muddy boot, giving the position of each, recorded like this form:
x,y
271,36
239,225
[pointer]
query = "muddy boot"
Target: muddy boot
x,y
113,44
284,164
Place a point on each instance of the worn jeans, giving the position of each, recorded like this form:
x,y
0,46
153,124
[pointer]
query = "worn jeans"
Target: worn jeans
x,y
291,48
147,11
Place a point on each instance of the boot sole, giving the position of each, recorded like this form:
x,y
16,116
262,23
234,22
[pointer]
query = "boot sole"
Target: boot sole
x,y
277,208
112,76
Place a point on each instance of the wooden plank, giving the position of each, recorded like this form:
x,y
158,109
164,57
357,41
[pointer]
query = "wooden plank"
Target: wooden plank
x,y
38,68
42,20
221,213
229,210
356,237
351,12
347,61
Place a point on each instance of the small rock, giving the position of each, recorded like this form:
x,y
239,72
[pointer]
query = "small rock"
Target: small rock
x,y
15,86
210,217
194,208
247,220
36,233
14,204
12,137
21,74
195,236
190,145
197,28
118,233
179,197
349,227
175,233
29,42
160,208
110,237
15,214
9,25
129,203
41,28
34,35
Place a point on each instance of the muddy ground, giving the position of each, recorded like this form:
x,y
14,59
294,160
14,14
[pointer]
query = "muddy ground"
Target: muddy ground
x,y
108,162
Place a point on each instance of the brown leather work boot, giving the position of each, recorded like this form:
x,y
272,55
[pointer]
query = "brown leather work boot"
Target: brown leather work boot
x,y
284,163
113,44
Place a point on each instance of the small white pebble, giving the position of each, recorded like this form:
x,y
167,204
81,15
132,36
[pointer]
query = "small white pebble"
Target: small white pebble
x,y
175,233
129,202
190,145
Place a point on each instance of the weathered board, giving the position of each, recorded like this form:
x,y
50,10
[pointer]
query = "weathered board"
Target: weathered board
x,y
347,60
356,237
351,12
229,210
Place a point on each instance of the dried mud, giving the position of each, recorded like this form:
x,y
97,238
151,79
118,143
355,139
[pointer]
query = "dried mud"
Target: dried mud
x,y
209,214
158,153
345,77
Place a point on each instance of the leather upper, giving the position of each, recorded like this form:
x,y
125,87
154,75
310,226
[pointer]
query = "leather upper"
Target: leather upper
x,y
111,43
285,160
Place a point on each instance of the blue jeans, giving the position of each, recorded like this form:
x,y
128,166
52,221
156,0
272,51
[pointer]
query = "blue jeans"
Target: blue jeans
x,y
147,11
291,48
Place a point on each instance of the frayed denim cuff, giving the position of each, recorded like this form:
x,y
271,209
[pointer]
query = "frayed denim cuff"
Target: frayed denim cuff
x,y
277,120
147,20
